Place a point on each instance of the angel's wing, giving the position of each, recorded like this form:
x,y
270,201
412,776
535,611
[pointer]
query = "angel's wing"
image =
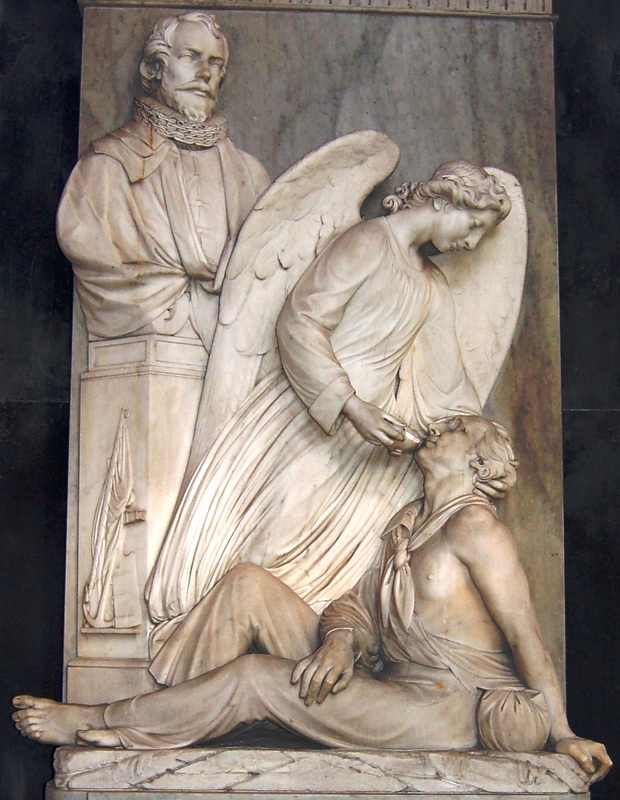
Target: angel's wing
x,y
487,284
310,204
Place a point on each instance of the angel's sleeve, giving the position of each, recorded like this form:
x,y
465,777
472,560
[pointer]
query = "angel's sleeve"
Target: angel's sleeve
x,y
433,372
312,312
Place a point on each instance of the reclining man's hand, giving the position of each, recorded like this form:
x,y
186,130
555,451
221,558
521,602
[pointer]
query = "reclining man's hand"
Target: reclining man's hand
x,y
591,756
328,669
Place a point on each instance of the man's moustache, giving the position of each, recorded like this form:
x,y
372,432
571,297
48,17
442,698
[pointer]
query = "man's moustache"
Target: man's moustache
x,y
199,87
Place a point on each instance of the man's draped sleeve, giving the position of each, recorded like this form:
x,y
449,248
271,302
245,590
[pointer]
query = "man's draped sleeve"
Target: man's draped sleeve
x,y
357,610
125,222
311,313
124,276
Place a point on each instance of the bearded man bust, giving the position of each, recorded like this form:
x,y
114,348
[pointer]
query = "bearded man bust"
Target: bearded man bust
x,y
150,214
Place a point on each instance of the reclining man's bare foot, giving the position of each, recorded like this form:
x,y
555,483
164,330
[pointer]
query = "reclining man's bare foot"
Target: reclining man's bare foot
x,y
54,723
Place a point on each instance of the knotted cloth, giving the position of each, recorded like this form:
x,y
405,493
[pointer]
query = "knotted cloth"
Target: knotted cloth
x,y
397,589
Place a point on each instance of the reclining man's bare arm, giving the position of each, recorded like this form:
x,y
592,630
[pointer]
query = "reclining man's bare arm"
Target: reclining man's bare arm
x,y
488,549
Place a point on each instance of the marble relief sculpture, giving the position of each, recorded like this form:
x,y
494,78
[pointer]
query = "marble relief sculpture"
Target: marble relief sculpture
x,y
142,220
374,342
437,646
332,560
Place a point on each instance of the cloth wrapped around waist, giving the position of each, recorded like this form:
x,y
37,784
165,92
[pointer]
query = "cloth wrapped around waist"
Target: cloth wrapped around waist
x,y
508,719
410,672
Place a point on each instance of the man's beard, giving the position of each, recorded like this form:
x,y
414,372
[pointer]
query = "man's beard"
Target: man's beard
x,y
195,107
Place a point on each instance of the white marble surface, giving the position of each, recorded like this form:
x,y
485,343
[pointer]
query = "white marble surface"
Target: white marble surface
x,y
439,87
61,794
299,772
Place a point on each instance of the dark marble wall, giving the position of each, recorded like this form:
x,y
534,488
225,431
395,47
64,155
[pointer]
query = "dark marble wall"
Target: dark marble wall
x,y
39,77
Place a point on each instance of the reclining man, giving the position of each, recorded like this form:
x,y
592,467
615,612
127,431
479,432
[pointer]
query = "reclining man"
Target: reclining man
x,y
437,646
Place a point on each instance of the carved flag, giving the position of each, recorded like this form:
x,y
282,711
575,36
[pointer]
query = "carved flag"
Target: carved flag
x,y
111,595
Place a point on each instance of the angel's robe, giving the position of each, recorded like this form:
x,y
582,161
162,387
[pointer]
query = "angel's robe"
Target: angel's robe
x,y
290,484
144,221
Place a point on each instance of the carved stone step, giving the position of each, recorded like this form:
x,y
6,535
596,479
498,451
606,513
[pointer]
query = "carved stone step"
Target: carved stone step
x,y
269,773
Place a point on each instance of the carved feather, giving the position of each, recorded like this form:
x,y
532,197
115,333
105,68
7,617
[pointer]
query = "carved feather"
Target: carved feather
x,y
487,285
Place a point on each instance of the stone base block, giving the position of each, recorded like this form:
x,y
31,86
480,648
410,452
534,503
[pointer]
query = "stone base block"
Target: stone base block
x,y
251,773
115,679
71,794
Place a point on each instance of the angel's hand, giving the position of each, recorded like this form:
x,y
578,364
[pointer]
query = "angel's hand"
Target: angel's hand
x,y
375,425
328,669
591,756
410,443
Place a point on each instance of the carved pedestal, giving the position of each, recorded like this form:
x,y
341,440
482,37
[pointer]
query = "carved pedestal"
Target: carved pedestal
x,y
138,403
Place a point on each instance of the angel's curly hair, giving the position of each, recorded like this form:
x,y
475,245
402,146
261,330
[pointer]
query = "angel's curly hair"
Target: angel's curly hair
x,y
460,183
159,42
495,461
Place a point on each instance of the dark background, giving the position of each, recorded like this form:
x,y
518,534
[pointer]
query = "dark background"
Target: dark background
x,y
39,91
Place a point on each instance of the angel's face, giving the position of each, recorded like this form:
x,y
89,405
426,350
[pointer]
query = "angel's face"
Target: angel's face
x,y
460,228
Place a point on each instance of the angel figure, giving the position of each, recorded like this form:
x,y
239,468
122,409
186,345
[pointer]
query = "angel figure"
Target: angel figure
x,y
303,445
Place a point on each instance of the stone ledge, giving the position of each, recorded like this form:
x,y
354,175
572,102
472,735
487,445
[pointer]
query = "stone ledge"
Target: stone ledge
x,y
512,9
265,773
